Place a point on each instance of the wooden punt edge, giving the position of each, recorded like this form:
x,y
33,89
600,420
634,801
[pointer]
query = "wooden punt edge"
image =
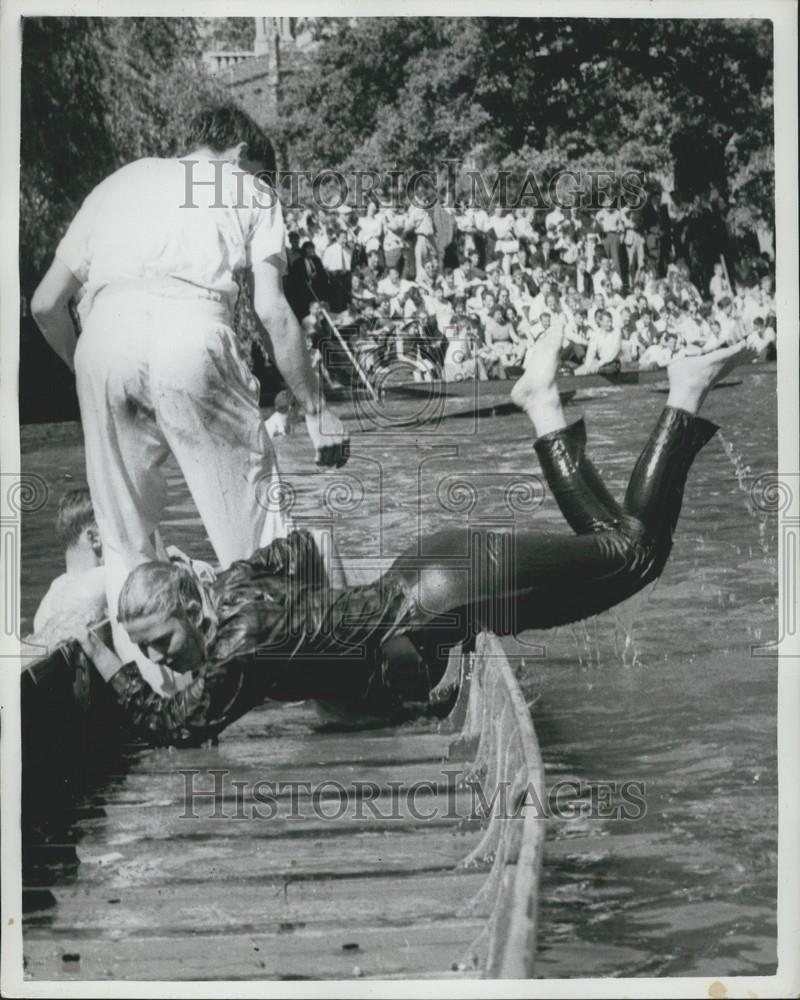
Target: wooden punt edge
x,y
497,728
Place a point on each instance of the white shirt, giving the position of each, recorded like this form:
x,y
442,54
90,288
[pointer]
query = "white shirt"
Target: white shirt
x,y
336,257
278,424
554,219
610,220
73,599
370,227
198,222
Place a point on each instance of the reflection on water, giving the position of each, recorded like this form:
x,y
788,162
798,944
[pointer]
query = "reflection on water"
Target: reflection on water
x,y
662,690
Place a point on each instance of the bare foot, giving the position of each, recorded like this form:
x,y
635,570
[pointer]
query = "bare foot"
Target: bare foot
x,y
690,379
542,360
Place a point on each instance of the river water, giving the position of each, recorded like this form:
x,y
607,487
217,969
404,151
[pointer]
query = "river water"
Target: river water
x,y
665,690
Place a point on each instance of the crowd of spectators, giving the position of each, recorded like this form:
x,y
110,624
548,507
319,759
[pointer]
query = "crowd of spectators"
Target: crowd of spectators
x,y
462,293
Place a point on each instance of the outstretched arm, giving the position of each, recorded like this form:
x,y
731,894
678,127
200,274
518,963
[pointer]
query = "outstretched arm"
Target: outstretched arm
x,y
197,713
285,340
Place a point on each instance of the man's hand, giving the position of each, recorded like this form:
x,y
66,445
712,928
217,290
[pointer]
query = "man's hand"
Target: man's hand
x,y
106,662
331,441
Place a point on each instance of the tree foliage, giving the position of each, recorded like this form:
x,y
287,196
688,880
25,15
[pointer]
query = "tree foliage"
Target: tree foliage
x,y
401,93
97,93
406,92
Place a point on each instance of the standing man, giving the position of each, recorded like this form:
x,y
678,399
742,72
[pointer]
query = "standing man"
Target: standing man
x,y
612,226
338,263
155,247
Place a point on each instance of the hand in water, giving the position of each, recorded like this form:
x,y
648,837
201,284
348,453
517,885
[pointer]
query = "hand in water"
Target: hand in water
x,y
331,441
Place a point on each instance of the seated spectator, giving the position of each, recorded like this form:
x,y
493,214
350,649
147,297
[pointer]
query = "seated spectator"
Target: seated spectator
x,y
718,285
282,421
371,272
605,280
426,278
762,339
462,360
78,596
394,289
360,295
658,354
370,229
605,342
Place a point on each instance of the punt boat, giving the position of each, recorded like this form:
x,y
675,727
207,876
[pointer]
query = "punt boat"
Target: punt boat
x,y
298,847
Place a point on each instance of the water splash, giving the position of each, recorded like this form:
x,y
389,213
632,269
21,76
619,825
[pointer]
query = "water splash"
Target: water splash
x,y
744,480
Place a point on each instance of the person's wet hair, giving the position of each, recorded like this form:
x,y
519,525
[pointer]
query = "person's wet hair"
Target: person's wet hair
x,y
160,588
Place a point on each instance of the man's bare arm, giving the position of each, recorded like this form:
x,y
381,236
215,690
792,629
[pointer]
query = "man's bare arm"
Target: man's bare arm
x,y
286,342
50,309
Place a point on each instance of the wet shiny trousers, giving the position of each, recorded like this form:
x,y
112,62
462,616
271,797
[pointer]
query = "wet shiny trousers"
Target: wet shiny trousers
x,y
460,581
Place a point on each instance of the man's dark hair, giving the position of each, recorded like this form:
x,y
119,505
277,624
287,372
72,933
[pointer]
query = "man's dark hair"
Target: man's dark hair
x,y
225,125
75,513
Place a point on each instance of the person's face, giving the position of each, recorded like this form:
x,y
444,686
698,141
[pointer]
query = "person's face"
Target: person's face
x,y
308,251
489,300
502,298
606,323
545,321
715,328
174,642
474,258
550,302
372,259
430,268
394,275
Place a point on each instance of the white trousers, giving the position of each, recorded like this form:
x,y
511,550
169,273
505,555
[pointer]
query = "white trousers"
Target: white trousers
x,y
161,374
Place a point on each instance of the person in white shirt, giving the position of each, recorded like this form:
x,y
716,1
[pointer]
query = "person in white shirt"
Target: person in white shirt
x,y
338,263
522,227
394,224
718,285
730,324
605,343
553,222
419,221
761,338
158,365
370,228
612,225
282,421
605,280
78,596
394,289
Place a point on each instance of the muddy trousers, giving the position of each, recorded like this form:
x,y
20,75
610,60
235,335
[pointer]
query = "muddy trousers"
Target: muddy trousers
x,y
159,374
460,581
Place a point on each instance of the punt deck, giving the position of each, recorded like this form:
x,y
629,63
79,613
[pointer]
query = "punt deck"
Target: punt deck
x,y
306,851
